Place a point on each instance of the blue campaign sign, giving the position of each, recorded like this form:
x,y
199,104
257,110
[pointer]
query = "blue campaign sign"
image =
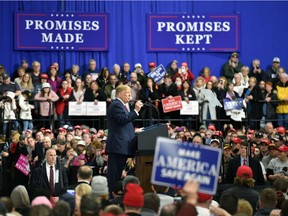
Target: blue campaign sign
x,y
238,103
186,32
61,31
176,162
158,73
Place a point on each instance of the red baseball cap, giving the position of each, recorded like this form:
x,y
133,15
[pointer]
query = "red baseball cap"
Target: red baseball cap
x,y
47,131
86,130
236,140
266,141
281,130
283,148
184,64
218,133
61,129
212,127
77,127
244,172
152,64
43,129
43,76
202,197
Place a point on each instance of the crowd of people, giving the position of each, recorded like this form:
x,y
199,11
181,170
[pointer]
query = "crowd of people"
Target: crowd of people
x,y
261,95
252,161
67,169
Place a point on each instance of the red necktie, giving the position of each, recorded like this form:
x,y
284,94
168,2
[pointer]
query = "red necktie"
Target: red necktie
x,y
51,180
244,162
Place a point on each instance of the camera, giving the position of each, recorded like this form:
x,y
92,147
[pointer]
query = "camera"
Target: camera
x,y
258,66
183,69
221,82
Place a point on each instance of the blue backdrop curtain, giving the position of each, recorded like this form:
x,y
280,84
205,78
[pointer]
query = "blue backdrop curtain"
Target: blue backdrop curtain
x,y
263,33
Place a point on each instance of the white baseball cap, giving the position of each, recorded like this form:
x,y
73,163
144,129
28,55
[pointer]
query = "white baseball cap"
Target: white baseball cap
x,y
138,65
276,59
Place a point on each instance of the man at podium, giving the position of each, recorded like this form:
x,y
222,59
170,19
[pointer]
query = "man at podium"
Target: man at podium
x,y
121,141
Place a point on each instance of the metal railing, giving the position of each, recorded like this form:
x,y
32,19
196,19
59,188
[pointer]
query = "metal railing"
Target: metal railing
x,y
101,122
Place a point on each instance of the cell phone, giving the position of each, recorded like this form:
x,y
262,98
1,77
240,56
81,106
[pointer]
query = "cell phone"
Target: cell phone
x,y
183,69
235,151
72,192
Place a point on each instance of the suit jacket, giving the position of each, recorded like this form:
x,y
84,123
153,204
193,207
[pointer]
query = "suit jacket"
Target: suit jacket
x,y
256,107
121,136
255,166
39,180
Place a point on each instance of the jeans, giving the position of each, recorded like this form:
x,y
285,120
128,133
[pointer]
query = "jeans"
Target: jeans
x,y
14,126
283,120
27,124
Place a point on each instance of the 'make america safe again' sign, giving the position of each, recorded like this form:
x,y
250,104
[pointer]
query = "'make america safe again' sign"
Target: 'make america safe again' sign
x,y
61,31
192,33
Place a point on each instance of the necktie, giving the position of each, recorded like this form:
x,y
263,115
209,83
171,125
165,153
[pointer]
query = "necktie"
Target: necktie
x,y
244,162
51,180
126,107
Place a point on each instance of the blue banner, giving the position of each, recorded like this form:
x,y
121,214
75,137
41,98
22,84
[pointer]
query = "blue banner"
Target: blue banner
x,y
176,162
61,31
158,74
238,103
192,33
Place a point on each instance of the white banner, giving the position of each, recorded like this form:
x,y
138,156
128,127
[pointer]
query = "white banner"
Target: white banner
x,y
98,109
76,109
87,109
191,108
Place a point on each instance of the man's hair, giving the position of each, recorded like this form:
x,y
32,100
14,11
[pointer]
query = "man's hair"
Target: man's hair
x,y
152,202
113,209
90,205
268,198
85,172
7,202
130,179
61,208
229,202
168,210
121,88
246,182
48,150
42,210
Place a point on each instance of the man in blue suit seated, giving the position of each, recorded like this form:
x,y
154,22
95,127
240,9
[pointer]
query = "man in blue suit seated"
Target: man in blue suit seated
x,y
121,141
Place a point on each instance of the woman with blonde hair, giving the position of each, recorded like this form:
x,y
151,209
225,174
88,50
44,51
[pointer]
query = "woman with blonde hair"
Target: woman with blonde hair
x,y
244,208
80,191
26,83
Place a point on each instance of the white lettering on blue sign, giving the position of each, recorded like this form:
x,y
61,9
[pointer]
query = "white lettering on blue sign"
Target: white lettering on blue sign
x,y
158,74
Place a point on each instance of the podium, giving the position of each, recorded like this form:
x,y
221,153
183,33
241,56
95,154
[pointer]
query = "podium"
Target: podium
x,y
146,141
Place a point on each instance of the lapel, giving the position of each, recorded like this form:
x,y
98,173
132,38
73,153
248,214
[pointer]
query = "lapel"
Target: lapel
x,y
44,175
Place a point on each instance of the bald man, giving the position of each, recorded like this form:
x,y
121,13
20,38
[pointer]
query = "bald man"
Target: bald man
x,y
50,177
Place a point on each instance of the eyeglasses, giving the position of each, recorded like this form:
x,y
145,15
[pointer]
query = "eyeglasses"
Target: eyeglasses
x,y
234,56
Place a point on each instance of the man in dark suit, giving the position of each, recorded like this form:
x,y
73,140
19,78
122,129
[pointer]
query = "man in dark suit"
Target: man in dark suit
x,y
244,159
84,176
121,141
50,177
